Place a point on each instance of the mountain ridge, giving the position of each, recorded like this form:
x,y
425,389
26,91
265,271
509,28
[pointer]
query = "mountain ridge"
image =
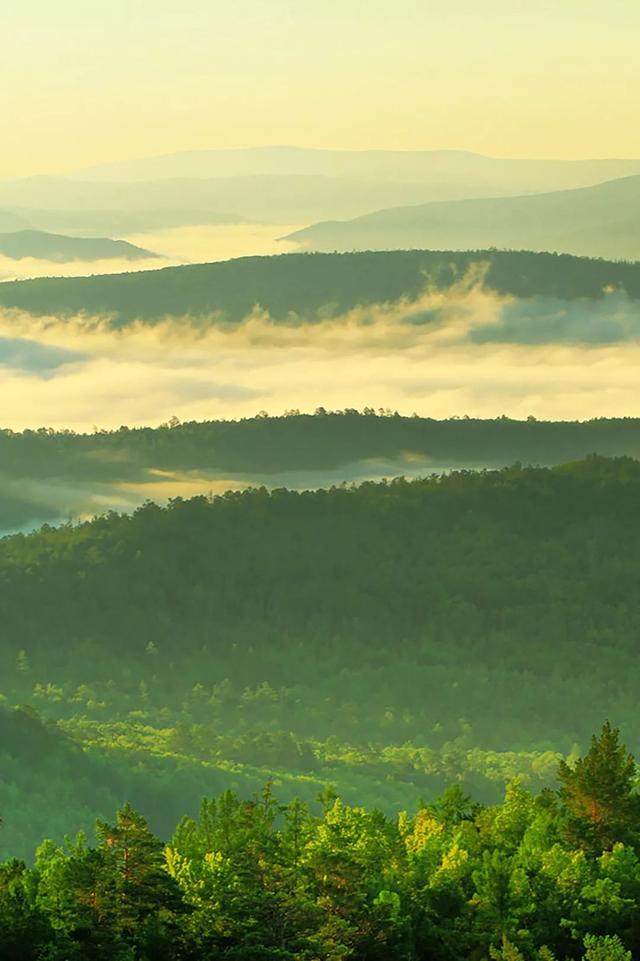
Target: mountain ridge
x,y
302,159
298,287
600,220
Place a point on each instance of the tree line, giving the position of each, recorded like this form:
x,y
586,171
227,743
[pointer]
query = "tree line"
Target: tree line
x,y
387,638
318,441
535,878
309,288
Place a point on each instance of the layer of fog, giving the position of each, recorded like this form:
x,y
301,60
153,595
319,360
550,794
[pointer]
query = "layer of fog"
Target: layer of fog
x,y
446,354
26,504
173,246
215,242
29,267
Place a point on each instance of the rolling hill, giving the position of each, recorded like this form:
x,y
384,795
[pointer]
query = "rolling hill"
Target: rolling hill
x,y
61,204
280,185
391,638
50,476
57,248
296,287
598,221
180,201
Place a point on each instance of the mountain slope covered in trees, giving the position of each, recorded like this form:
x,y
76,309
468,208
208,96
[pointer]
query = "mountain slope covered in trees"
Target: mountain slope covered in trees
x,y
51,476
295,287
389,638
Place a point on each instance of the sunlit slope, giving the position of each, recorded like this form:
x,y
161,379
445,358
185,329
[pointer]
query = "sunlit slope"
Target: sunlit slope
x,y
475,596
312,286
390,640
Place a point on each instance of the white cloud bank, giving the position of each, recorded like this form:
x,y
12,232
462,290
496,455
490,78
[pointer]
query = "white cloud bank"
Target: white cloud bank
x,y
439,357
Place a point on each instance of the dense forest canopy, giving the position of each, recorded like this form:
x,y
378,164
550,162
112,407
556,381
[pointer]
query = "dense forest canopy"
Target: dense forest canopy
x,y
316,441
53,475
388,638
294,287
538,877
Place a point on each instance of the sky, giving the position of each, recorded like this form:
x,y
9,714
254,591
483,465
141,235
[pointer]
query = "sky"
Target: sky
x,y
89,81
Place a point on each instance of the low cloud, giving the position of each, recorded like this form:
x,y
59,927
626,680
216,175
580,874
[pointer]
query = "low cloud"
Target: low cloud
x,y
463,351
31,357
29,267
174,246
612,319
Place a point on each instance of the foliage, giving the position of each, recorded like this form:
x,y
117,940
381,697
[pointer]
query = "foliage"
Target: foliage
x,y
389,640
598,793
313,287
257,878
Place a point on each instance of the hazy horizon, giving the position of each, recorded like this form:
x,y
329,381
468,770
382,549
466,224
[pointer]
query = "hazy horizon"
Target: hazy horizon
x,y
322,74
84,170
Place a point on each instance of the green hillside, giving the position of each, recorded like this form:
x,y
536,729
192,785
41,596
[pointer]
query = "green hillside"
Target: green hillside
x,y
51,476
389,639
312,286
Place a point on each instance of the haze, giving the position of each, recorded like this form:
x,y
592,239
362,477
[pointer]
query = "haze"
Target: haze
x,y
116,81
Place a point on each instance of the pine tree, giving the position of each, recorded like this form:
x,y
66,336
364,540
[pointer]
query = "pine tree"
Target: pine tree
x,y
600,804
605,948
135,884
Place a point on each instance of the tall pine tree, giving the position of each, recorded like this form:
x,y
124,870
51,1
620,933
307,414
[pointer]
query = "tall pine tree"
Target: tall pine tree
x,y
598,796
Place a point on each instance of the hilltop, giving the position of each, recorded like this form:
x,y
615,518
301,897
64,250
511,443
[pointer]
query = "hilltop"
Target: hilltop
x,y
294,287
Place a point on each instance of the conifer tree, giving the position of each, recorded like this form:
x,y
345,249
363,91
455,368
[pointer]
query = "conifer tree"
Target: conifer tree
x,y
600,803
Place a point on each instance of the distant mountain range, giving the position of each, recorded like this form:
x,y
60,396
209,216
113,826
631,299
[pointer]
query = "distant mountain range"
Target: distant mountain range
x,y
280,185
600,221
63,204
310,287
57,248
458,167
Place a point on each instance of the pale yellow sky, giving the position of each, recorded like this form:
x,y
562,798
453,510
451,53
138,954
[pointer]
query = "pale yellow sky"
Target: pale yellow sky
x,y
87,81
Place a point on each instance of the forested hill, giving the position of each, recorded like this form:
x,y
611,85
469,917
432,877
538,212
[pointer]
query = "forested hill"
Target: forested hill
x,y
388,639
500,597
312,443
54,475
312,286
